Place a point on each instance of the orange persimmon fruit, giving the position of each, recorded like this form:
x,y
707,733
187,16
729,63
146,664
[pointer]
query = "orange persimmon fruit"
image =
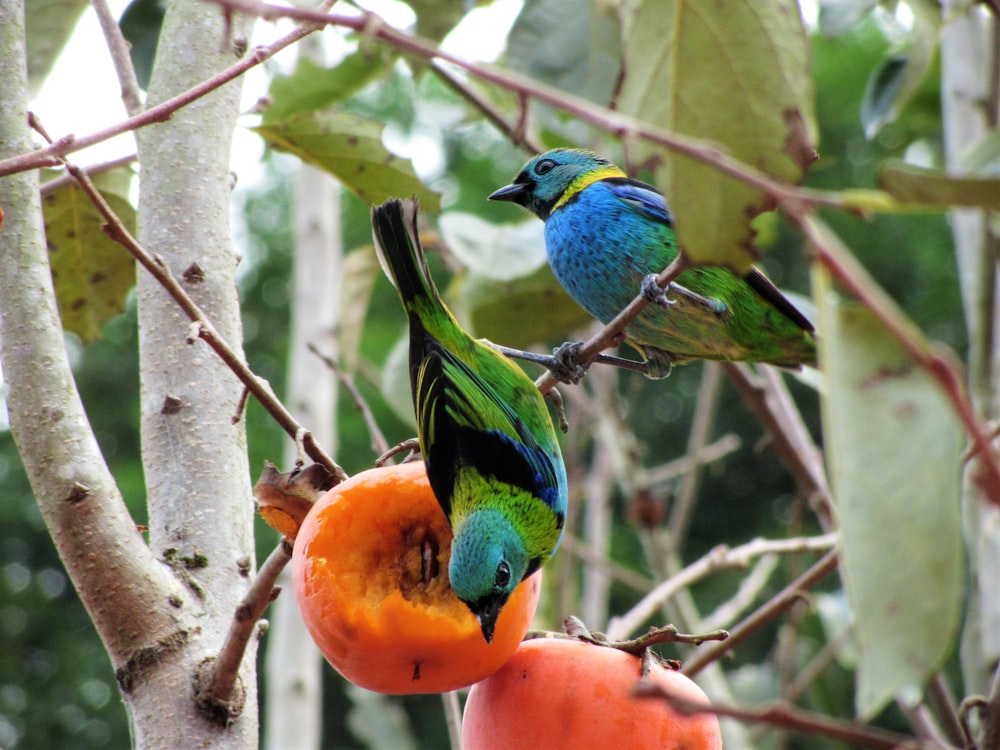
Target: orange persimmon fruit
x,y
370,575
562,694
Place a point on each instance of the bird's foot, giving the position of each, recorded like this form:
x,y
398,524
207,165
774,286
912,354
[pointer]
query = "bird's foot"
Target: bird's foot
x,y
410,446
565,365
718,307
653,292
656,295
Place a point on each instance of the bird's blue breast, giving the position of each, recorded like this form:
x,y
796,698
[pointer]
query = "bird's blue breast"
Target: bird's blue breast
x,y
603,241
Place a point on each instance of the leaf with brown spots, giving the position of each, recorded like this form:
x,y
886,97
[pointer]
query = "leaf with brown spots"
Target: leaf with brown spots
x,y
894,448
350,148
735,73
92,273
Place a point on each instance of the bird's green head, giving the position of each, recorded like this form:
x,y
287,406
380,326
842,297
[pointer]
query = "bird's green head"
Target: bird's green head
x,y
550,179
488,560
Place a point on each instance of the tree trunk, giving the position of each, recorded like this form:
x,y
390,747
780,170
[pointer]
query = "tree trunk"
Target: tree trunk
x,y
197,478
294,665
142,614
969,113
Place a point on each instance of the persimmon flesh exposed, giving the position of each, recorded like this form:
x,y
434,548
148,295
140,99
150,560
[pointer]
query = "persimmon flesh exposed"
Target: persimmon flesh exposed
x,y
370,573
562,694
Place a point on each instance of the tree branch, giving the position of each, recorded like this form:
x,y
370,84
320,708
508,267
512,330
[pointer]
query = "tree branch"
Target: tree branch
x,y
218,693
379,444
766,395
120,58
783,716
778,604
68,144
611,333
202,328
846,270
123,587
717,559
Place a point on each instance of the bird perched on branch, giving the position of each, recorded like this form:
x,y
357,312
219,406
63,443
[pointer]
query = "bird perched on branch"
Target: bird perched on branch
x,y
606,235
486,436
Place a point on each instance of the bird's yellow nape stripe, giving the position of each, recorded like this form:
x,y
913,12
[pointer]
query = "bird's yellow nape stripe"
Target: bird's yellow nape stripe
x,y
587,179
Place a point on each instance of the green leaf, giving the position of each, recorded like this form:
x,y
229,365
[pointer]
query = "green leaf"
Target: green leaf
x,y
548,37
894,453
931,187
313,87
740,78
517,313
881,103
48,26
894,82
350,148
92,273
838,17
496,251
140,24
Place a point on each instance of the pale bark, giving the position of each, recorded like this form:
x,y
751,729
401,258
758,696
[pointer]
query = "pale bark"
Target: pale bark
x,y
294,666
967,55
194,457
138,608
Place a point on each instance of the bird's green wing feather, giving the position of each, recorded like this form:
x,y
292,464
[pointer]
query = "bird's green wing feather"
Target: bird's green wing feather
x,y
464,422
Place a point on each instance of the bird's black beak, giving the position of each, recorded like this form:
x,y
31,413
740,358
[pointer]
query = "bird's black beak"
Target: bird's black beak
x,y
487,617
515,193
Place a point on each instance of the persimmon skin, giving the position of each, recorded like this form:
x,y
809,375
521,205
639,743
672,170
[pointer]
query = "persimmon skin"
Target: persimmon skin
x,y
370,576
562,694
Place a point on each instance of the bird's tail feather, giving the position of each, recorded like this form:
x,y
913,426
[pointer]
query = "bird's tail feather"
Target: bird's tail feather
x,y
394,229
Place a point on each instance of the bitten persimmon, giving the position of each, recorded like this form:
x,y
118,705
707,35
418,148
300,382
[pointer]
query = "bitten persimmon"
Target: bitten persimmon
x,y
562,694
370,572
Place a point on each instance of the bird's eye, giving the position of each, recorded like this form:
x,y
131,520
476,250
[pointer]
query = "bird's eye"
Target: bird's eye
x,y
544,166
503,575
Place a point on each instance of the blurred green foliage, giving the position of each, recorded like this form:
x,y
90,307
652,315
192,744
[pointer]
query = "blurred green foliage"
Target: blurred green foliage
x,y
57,689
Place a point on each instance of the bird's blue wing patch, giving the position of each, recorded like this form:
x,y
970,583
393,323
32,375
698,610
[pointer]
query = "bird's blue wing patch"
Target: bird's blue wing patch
x,y
640,197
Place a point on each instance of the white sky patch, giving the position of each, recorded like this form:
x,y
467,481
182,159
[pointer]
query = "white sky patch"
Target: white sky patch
x,y
82,95
482,33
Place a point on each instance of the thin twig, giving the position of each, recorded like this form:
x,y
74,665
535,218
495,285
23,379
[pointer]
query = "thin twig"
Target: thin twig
x,y
720,558
68,144
201,327
815,666
592,557
611,333
411,446
216,687
118,46
789,718
924,725
943,702
746,594
57,183
709,392
379,444
766,395
764,614
707,454
970,703
848,272
575,630
527,89
514,131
